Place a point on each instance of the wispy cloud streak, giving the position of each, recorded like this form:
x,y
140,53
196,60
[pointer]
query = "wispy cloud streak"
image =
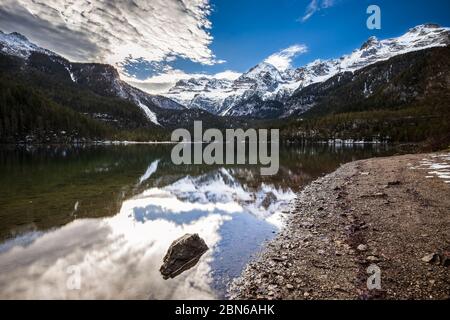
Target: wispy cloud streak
x,y
315,6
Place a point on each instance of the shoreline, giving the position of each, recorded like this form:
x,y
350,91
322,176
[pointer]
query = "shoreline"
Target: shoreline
x,y
90,143
390,212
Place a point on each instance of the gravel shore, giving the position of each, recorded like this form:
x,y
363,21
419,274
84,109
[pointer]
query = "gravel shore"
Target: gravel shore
x,y
389,213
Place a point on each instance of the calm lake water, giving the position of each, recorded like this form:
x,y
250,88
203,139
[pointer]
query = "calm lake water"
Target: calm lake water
x,y
95,222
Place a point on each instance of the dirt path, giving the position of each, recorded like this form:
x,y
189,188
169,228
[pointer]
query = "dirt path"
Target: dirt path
x,y
389,213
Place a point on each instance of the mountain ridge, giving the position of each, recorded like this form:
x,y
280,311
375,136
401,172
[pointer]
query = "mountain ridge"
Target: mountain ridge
x,y
374,89
271,84
91,96
101,78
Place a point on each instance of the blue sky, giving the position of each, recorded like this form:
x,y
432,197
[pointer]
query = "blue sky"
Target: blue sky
x,y
157,42
245,33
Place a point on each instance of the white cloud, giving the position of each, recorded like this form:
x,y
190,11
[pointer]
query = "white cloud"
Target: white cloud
x,y
314,6
327,3
228,75
161,83
111,31
282,60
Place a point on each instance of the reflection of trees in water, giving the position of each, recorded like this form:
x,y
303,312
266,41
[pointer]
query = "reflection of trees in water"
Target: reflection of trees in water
x,y
41,185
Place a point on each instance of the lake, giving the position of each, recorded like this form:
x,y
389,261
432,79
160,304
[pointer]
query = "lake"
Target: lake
x,y
95,222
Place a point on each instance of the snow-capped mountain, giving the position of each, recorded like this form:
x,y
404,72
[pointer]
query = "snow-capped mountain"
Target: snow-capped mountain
x,y
267,83
411,80
101,78
262,92
18,45
219,96
201,93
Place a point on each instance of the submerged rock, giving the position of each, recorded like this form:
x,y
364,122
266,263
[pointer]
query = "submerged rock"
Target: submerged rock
x,y
183,254
269,200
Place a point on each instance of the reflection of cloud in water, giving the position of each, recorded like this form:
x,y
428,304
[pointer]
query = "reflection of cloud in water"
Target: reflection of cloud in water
x,y
119,257
21,240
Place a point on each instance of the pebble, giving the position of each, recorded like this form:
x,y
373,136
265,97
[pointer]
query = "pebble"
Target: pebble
x,y
362,247
429,258
372,259
286,271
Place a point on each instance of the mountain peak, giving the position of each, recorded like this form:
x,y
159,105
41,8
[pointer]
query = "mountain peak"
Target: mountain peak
x,y
17,44
19,36
262,70
425,26
369,43
268,83
262,67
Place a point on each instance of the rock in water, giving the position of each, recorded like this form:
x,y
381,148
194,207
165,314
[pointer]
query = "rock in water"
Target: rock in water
x,y
268,200
183,254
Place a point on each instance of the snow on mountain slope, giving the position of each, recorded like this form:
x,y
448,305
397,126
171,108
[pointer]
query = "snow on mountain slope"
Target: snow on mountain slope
x,y
149,113
240,97
18,45
219,95
201,93
263,74
265,81
372,51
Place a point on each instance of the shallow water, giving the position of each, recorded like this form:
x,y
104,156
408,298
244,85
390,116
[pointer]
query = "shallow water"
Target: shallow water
x,y
95,222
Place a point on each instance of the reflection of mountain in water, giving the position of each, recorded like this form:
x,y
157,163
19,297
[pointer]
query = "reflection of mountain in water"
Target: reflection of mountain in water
x,y
113,212
251,216
219,188
119,257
